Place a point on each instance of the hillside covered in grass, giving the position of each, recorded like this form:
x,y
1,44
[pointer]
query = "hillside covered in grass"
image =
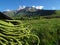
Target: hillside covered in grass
x,y
16,34
27,27
30,32
48,30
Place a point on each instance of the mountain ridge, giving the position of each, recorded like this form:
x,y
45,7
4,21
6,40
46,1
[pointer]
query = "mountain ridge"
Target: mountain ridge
x,y
30,11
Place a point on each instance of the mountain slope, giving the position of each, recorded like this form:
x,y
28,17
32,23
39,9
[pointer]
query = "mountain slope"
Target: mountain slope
x,y
30,11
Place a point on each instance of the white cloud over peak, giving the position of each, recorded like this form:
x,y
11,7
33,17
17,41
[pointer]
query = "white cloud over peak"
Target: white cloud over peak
x,y
33,6
21,7
38,7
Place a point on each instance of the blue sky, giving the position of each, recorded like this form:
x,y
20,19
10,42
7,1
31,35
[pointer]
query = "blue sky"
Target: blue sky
x,y
13,4
9,4
48,4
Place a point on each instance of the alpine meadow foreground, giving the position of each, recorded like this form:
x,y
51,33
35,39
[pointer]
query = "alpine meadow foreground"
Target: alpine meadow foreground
x,y
30,32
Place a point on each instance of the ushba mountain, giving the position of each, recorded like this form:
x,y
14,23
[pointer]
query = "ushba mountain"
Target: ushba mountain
x,y
29,11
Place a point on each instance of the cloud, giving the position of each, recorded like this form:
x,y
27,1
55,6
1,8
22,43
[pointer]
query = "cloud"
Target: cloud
x,y
38,7
7,10
33,6
21,7
53,8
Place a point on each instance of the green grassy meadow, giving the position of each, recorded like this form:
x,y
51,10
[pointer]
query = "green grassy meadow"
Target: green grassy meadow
x,y
48,30
30,32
